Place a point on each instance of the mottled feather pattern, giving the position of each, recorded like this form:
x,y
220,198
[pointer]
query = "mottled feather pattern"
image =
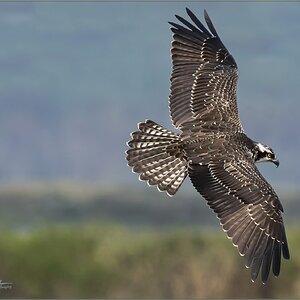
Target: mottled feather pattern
x,y
154,154
251,237
196,54
216,85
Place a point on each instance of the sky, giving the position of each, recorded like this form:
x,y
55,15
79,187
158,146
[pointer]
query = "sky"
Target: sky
x,y
76,77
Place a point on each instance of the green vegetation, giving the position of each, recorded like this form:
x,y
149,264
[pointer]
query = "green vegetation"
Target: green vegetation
x,y
66,241
111,262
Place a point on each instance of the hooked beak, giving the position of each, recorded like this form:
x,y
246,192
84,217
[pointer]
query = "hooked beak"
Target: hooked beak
x,y
276,162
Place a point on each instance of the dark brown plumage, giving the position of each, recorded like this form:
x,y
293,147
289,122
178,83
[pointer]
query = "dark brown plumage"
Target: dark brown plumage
x,y
212,148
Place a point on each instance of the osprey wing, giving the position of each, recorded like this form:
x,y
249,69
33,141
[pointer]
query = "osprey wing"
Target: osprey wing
x,y
204,77
249,211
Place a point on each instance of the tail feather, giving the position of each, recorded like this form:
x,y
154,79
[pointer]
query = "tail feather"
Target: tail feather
x,y
142,156
155,166
145,142
164,174
155,153
174,179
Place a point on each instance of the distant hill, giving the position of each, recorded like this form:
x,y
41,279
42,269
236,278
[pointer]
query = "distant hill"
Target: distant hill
x,y
26,207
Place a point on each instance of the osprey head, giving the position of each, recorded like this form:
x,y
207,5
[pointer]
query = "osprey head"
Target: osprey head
x,y
262,153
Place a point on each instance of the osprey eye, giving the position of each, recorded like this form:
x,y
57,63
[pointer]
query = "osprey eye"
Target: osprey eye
x,y
269,155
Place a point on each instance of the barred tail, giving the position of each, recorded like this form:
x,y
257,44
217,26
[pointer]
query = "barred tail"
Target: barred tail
x,y
156,154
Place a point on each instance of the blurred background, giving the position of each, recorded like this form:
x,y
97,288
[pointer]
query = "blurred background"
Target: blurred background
x,y
75,78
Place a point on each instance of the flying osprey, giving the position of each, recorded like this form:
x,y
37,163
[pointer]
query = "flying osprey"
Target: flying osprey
x,y
212,148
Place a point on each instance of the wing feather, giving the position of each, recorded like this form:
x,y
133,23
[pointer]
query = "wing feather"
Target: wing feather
x,y
201,65
210,24
255,227
197,22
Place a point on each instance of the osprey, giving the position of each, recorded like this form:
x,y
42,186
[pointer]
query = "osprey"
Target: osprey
x,y
212,148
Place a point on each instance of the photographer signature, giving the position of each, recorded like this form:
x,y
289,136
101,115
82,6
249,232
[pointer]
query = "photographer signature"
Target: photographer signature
x,y
5,285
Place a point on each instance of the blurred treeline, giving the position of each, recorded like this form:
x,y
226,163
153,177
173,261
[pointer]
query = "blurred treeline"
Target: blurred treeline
x,y
26,206
65,241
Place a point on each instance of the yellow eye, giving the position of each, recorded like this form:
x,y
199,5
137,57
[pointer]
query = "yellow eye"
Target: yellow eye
x,y
269,155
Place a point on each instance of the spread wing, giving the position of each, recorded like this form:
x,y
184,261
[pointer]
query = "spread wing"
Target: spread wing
x,y
249,211
204,77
